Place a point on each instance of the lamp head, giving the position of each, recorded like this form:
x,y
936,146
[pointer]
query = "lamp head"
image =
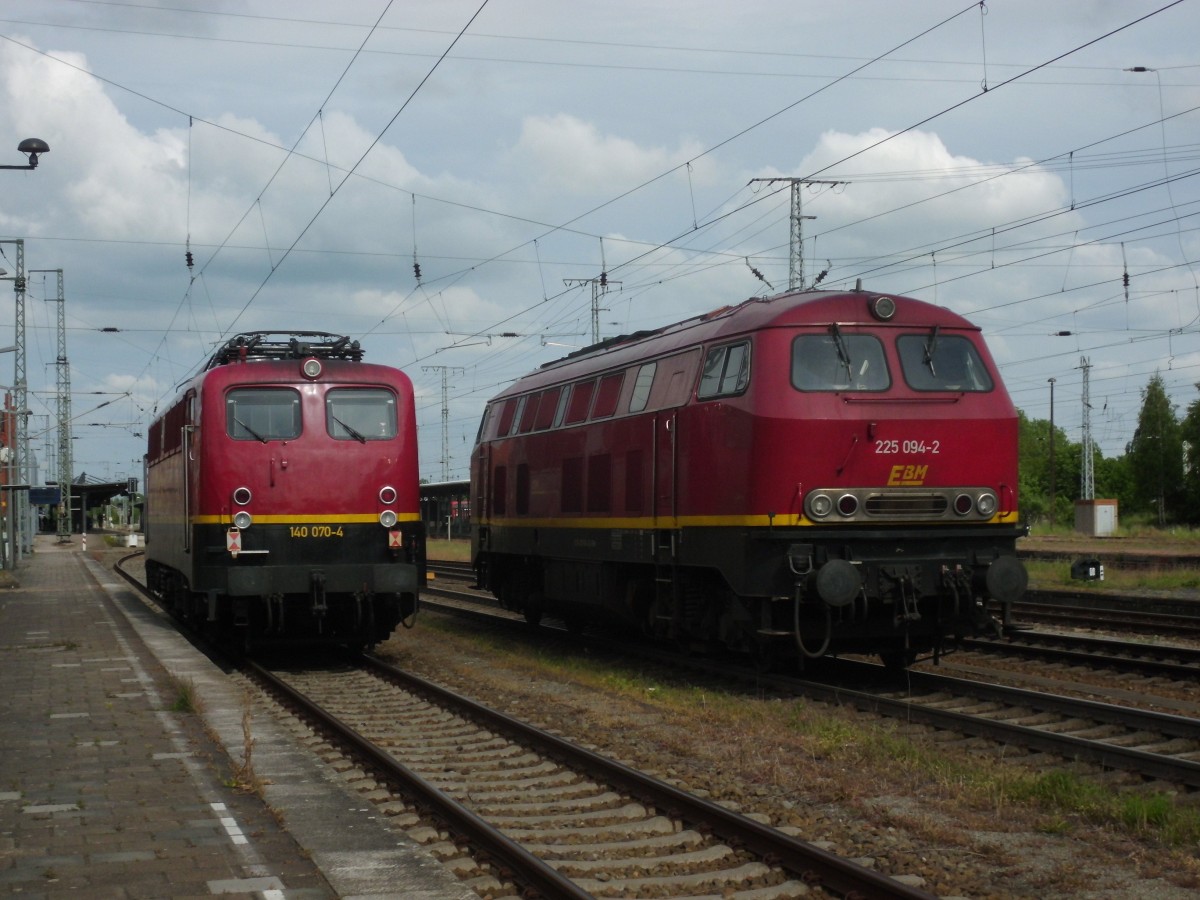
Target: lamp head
x,y
33,147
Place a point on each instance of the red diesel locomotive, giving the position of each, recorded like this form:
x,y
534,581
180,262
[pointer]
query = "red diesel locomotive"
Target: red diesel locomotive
x,y
808,474
281,494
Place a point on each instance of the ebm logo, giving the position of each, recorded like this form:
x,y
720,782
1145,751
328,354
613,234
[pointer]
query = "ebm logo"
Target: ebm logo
x,y
907,476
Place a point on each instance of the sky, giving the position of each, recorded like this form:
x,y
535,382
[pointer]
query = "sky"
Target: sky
x,y
1000,159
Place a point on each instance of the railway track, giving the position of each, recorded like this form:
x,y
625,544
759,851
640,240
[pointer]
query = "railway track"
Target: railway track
x,y
1154,660
1135,615
1153,745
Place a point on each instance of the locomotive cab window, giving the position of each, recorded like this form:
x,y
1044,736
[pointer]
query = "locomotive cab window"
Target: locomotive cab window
x,y
262,414
360,414
942,362
835,361
726,371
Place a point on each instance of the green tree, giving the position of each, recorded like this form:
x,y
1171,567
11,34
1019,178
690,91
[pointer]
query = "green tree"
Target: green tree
x,y
1190,434
1156,455
1114,480
1037,476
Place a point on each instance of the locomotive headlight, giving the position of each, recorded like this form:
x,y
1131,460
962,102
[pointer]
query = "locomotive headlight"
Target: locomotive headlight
x,y
241,496
387,495
847,505
986,504
820,505
311,368
963,504
242,520
883,308
387,518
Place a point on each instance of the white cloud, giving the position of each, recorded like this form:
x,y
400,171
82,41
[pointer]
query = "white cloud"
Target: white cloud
x,y
572,155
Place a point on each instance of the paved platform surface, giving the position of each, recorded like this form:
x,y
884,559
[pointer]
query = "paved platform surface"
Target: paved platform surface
x,y
108,791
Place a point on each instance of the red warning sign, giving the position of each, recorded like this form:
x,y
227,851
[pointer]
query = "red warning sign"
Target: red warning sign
x,y
395,539
233,541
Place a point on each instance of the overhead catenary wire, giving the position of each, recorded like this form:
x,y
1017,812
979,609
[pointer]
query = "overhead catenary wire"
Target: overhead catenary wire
x,y
712,239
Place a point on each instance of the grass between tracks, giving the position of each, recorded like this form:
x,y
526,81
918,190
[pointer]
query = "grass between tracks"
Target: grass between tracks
x,y
786,747
1057,575
442,550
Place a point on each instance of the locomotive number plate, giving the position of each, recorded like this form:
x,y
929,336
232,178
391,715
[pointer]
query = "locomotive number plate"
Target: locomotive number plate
x,y
315,531
890,446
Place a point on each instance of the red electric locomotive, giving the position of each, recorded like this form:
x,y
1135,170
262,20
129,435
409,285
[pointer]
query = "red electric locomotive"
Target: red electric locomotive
x,y
812,473
281,494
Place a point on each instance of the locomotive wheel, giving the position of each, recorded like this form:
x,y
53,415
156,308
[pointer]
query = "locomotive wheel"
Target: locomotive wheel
x,y
772,656
533,609
575,620
897,660
766,659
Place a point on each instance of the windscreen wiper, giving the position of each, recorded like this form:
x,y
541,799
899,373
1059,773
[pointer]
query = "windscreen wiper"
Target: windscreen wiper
x,y
254,434
354,434
842,352
930,349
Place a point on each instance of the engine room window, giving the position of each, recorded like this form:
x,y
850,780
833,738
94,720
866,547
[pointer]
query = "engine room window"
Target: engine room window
x,y
507,412
518,414
561,410
528,414
607,396
581,401
547,407
726,371
262,414
942,362
641,387
360,414
835,361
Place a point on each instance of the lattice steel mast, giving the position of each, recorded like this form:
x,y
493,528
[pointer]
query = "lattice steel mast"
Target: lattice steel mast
x,y
445,370
64,474
1087,476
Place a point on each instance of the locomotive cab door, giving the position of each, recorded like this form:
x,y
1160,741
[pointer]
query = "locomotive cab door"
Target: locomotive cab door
x,y
191,466
669,393
481,487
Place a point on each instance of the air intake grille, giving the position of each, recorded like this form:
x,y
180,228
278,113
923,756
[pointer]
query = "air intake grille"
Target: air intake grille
x,y
906,505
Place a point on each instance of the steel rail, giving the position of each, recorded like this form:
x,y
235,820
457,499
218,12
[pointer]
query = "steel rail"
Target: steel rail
x,y
1113,653
1112,619
528,869
1111,756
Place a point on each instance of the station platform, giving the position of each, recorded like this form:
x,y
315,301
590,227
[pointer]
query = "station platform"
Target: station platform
x,y
107,790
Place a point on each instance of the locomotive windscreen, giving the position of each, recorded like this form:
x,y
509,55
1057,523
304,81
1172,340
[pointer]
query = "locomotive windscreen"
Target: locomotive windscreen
x,y
361,414
262,414
945,363
839,362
